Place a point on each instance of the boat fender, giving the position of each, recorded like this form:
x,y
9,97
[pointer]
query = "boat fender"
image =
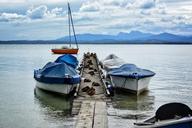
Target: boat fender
x,y
101,65
78,72
103,76
111,89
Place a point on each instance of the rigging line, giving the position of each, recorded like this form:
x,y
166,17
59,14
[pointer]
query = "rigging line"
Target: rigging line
x,y
69,26
72,25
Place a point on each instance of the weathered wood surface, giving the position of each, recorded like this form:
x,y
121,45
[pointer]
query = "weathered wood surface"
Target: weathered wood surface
x,y
91,108
99,90
86,115
100,115
93,114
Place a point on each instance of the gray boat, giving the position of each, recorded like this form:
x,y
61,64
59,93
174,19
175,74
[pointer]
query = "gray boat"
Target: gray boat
x,y
131,78
171,115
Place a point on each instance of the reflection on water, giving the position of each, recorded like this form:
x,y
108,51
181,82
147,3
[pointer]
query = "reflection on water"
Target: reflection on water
x,y
56,109
128,108
172,83
54,102
143,102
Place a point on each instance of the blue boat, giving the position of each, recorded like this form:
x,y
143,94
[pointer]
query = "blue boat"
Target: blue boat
x,y
131,78
131,71
171,115
57,77
68,59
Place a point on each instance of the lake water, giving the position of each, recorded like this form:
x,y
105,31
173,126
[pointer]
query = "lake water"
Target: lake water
x,y
21,106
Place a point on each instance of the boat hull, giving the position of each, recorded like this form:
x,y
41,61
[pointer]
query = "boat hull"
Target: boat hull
x,y
132,85
65,51
64,89
180,123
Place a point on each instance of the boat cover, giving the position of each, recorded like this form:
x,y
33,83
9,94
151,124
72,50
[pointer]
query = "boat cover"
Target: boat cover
x,y
112,61
59,73
68,59
131,71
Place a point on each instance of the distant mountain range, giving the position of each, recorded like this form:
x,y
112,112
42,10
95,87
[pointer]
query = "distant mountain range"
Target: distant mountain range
x,y
134,37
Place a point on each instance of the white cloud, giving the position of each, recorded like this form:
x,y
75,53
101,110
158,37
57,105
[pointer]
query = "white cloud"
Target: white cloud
x,y
103,16
6,17
98,5
12,1
36,1
57,11
142,4
37,13
125,15
90,6
40,12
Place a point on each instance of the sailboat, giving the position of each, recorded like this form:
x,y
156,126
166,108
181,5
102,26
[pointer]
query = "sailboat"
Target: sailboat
x,y
68,50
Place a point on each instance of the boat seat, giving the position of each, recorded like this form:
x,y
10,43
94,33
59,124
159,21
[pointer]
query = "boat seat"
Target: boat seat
x,y
172,111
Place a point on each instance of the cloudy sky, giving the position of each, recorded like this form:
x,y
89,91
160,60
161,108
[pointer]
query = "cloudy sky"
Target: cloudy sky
x,y
47,19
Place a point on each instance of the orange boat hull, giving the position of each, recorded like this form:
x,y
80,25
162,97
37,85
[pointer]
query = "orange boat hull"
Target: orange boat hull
x,y
65,51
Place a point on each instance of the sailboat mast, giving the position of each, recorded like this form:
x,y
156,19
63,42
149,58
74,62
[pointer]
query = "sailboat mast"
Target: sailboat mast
x,y
72,25
69,21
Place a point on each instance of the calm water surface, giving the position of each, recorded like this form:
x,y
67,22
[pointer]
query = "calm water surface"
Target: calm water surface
x,y
21,106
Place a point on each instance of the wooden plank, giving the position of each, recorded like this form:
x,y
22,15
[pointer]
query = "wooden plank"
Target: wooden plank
x,y
91,109
99,90
86,115
100,115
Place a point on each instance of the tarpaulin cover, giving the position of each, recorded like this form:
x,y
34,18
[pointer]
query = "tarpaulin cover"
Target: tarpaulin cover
x,y
112,61
131,71
68,59
57,73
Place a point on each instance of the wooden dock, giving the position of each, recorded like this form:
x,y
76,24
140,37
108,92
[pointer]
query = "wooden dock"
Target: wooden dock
x,y
89,103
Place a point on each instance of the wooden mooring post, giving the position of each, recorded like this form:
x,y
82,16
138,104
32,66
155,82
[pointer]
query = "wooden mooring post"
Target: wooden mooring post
x,y
89,103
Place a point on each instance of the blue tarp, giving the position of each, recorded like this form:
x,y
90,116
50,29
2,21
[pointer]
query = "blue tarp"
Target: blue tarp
x,y
59,73
68,59
131,71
